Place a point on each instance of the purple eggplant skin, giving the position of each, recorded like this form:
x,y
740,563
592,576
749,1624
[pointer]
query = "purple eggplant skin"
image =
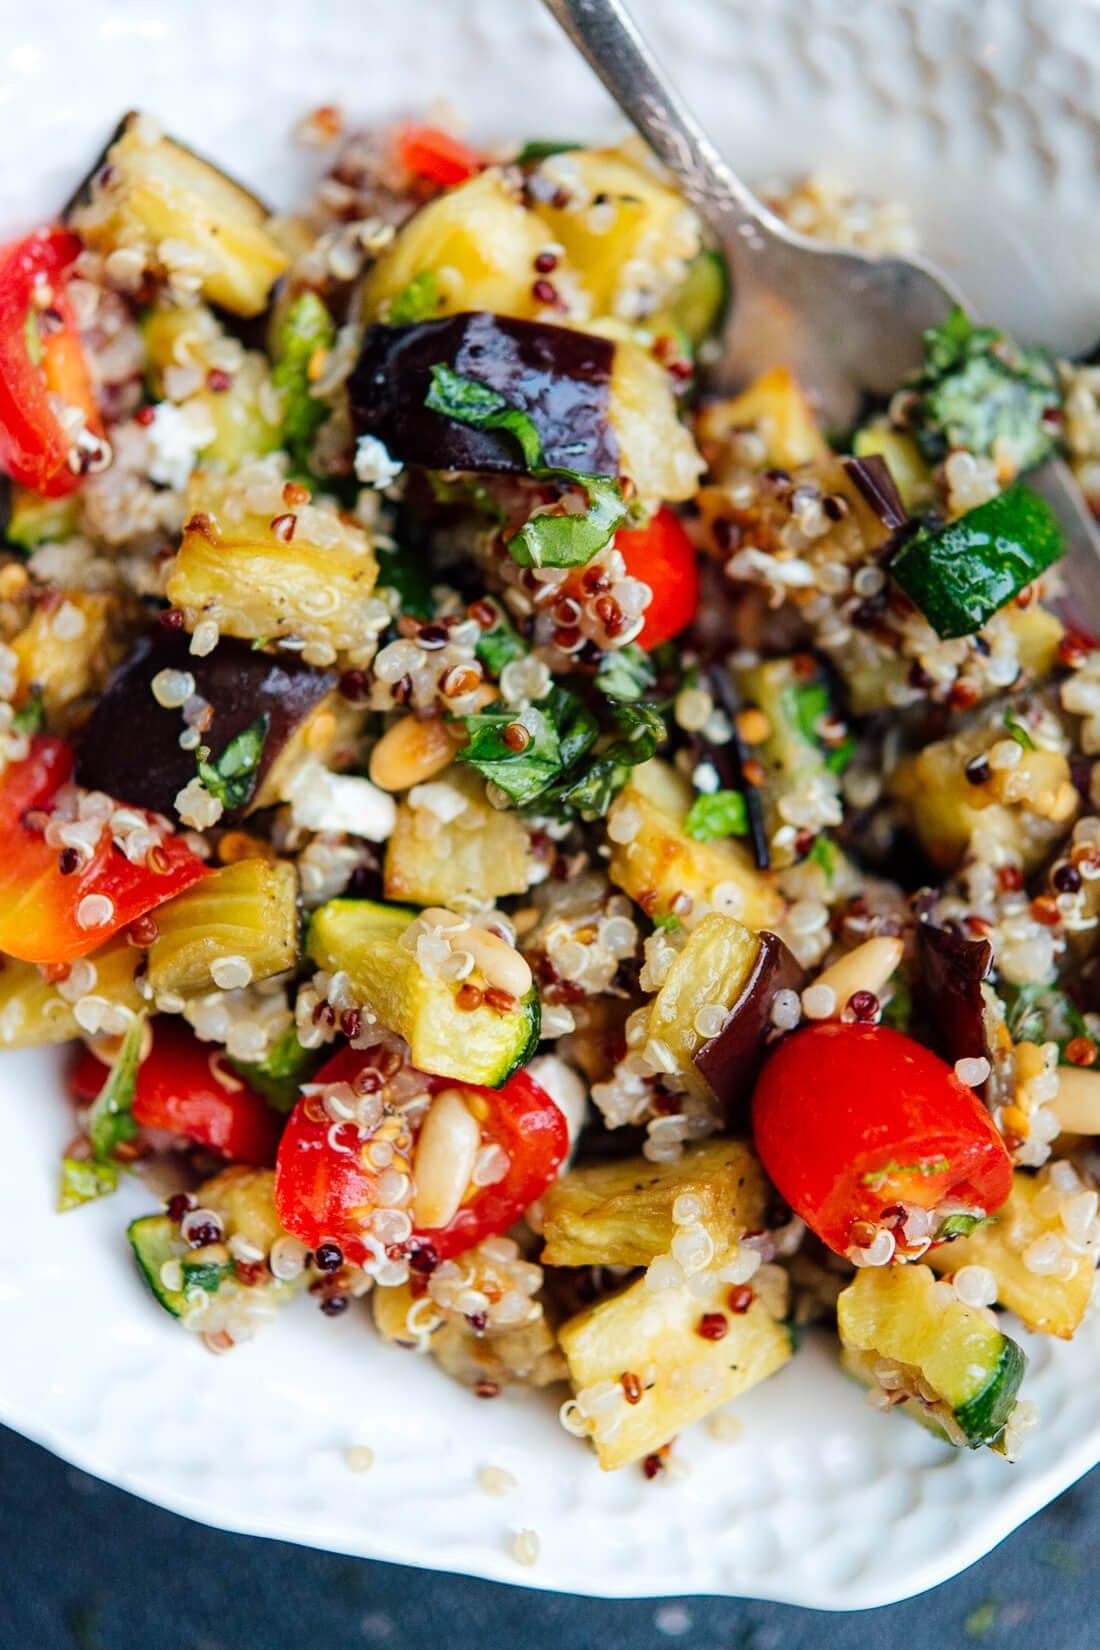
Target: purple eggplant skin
x,y
730,1062
951,969
559,377
130,746
872,476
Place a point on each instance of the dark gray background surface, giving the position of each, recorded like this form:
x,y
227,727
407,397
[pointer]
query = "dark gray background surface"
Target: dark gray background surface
x,y
85,1567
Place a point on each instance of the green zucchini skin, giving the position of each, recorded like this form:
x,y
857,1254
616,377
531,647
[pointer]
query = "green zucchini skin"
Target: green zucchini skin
x,y
960,574
153,1239
984,1416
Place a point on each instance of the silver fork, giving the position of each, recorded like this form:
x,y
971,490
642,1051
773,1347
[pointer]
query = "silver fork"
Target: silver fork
x,y
847,324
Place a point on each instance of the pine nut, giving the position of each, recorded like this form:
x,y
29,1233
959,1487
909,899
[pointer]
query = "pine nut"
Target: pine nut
x,y
867,968
410,752
501,964
1077,1106
445,1156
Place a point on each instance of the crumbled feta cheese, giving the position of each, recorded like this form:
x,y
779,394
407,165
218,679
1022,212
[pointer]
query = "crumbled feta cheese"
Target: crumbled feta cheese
x,y
324,801
176,437
374,464
445,801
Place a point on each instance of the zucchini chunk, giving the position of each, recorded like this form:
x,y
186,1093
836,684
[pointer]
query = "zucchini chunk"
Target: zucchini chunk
x,y
235,568
1026,808
474,859
893,1316
33,1011
201,1286
152,189
660,860
481,1045
147,767
654,1336
620,1214
1047,1303
480,243
174,336
796,761
249,910
34,520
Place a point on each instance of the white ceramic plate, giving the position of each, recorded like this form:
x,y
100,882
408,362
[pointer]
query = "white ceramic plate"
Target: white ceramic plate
x,y
983,115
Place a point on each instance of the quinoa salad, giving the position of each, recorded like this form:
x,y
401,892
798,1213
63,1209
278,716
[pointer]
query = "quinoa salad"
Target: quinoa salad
x,y
583,877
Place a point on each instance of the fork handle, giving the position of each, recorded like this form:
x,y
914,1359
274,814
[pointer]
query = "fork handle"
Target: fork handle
x,y
614,47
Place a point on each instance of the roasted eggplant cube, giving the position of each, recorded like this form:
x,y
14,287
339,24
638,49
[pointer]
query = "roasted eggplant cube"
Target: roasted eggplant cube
x,y
150,190
559,377
730,1062
953,996
130,747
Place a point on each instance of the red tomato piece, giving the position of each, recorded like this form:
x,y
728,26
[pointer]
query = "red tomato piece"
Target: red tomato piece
x,y
183,1089
41,363
436,156
325,1187
850,1120
662,556
38,901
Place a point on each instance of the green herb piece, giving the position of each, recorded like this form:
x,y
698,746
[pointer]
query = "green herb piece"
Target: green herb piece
x,y
281,1073
1017,731
83,1180
978,389
416,302
32,337
668,924
110,1120
1042,1014
499,646
31,717
259,644
960,1226
827,855
204,1274
591,792
306,328
898,1012
960,574
401,571
231,777
465,490
545,540
626,673
717,814
542,149
560,729
889,1171
806,704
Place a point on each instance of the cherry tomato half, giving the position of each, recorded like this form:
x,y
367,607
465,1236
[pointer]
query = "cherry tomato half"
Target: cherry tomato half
x,y
183,1088
662,556
430,153
39,903
850,1120
326,1186
42,363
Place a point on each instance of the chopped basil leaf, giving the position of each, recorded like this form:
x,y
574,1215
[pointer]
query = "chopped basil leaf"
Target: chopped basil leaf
x,y
960,1226
717,814
83,1180
231,777
469,402
1042,1014
32,338
591,792
417,301
899,1010
807,703
890,1171
979,389
825,854
559,729
626,673
31,717
281,1073
399,570
499,646
1017,731
110,1120
564,540
668,924
542,149
571,541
